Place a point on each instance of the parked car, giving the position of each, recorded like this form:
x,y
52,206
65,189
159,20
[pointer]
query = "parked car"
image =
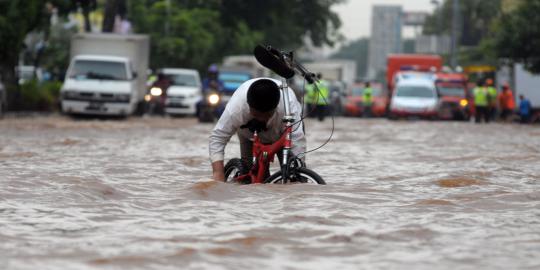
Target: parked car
x,y
415,97
184,92
354,104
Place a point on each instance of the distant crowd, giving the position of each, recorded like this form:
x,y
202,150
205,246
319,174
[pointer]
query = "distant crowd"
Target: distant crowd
x,y
490,105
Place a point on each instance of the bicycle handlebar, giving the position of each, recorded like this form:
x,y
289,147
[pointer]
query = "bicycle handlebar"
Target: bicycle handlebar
x,y
282,63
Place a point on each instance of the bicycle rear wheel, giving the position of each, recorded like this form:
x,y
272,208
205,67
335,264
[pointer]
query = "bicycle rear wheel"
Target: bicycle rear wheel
x,y
234,168
300,175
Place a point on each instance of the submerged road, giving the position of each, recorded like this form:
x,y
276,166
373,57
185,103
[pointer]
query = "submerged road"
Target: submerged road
x,y
135,193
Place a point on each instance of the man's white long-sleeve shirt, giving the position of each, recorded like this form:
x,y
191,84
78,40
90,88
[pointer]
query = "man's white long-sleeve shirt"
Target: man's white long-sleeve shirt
x,y
237,113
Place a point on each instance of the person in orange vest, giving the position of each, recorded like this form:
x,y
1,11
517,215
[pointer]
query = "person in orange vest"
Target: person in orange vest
x,y
506,102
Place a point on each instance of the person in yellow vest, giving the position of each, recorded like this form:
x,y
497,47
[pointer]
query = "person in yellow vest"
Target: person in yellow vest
x,y
318,98
367,100
480,93
310,99
492,99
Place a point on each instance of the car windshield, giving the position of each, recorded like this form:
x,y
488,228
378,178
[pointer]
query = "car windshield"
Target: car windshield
x,y
233,80
415,91
454,91
358,91
183,79
234,77
101,70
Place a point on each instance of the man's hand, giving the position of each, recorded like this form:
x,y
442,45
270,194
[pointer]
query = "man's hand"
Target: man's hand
x,y
218,171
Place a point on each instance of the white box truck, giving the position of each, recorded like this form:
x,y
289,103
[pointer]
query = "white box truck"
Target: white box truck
x,y
528,85
106,75
334,70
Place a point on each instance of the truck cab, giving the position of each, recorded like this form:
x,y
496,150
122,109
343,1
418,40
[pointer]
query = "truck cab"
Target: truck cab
x,y
454,96
101,85
106,75
415,97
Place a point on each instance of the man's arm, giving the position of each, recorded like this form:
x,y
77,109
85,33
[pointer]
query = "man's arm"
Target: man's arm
x,y
227,125
218,171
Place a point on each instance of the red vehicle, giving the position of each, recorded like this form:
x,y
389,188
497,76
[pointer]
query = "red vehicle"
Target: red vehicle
x,y
455,101
410,62
354,103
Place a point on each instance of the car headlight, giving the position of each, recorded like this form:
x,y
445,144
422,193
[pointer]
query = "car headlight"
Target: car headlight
x,y
463,103
156,91
213,99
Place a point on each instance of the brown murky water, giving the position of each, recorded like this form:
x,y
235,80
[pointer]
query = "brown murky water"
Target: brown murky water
x,y
117,194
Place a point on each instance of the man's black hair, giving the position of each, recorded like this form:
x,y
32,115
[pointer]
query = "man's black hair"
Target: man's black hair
x,y
263,95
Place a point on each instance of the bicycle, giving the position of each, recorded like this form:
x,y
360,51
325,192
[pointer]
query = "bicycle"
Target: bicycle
x,y
292,168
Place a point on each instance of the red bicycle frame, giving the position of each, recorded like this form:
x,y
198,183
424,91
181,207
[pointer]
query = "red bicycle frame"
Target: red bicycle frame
x,y
263,154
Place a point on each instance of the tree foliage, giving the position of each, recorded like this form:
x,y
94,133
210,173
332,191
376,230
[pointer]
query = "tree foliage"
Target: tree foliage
x,y
517,35
285,23
191,33
17,18
475,16
195,33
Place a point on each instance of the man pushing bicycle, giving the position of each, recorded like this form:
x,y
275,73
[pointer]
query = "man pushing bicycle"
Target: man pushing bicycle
x,y
257,105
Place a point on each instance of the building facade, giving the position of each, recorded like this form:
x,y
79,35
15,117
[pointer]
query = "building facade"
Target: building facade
x,y
386,25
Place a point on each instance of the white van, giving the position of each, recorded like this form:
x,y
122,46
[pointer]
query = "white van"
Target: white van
x,y
184,92
415,97
99,85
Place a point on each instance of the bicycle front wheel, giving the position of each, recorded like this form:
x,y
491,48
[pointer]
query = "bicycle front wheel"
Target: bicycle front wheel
x,y
234,168
300,175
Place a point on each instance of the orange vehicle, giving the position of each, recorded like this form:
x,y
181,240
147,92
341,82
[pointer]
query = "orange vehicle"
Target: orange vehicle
x,y
455,100
410,62
353,104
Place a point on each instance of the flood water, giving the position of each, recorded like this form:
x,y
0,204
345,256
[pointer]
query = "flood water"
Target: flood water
x,y
135,193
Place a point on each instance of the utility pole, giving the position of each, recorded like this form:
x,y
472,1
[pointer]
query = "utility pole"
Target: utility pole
x,y
455,34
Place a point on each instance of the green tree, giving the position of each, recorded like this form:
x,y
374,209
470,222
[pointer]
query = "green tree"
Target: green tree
x,y
112,9
195,33
17,18
476,17
190,37
516,35
285,23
